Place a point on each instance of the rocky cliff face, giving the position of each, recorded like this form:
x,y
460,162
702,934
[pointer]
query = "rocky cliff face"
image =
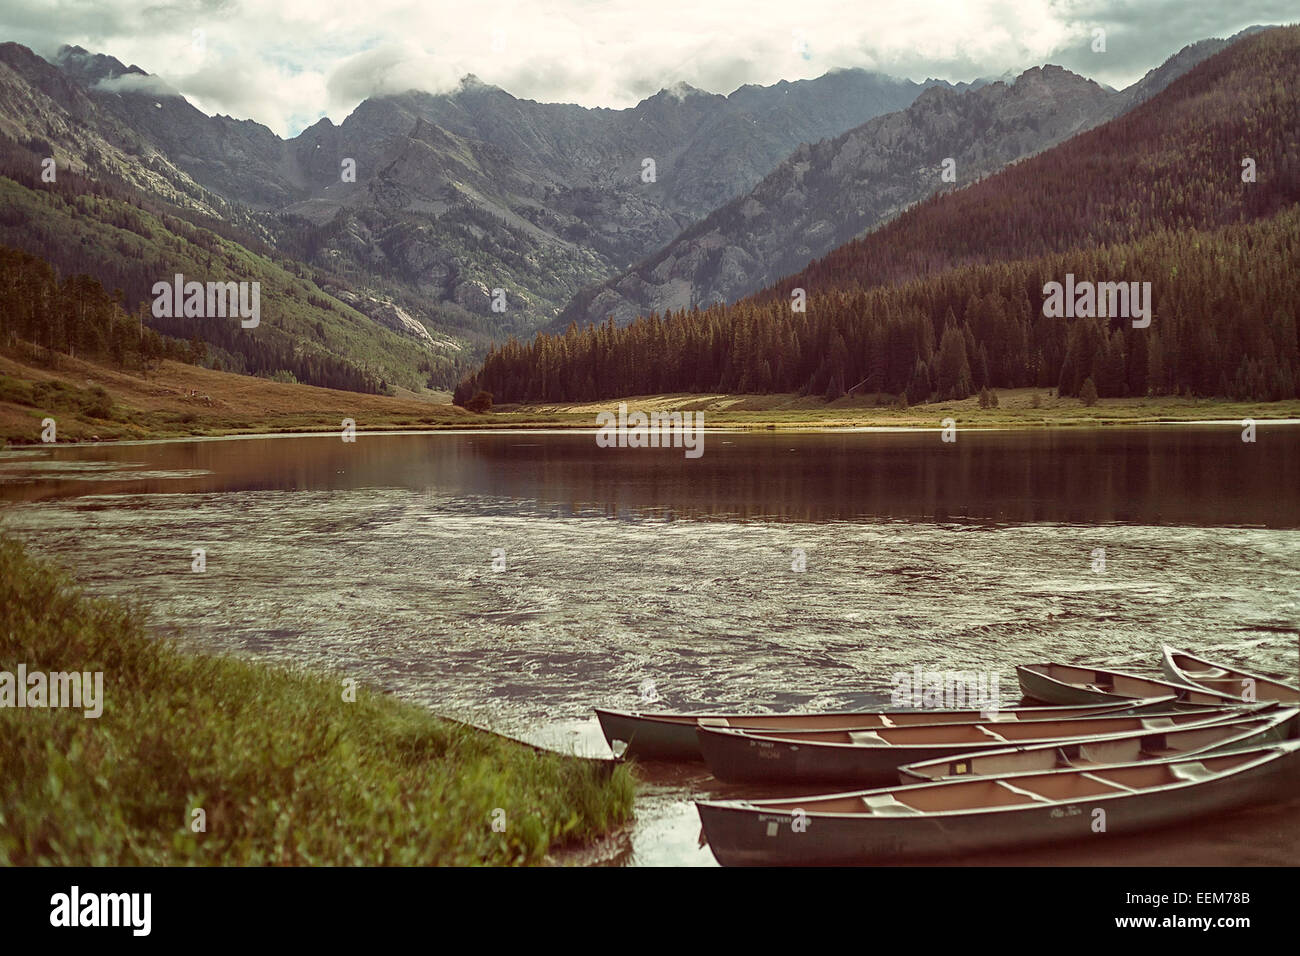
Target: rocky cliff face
x,y
477,189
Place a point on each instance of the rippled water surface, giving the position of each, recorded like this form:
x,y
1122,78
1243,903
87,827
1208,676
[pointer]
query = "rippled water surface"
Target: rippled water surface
x,y
622,567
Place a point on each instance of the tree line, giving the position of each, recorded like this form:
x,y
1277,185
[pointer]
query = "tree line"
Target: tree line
x,y
1223,323
75,315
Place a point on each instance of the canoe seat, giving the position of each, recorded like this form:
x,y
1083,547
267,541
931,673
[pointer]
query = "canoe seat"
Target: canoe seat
x,y
714,722
1194,770
1158,723
866,737
1113,784
887,805
1052,787
1063,757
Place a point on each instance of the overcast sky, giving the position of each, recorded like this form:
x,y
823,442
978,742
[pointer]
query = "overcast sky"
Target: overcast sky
x,y
286,63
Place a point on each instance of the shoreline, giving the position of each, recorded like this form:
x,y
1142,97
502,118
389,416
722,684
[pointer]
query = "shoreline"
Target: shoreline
x,y
257,764
182,402
581,428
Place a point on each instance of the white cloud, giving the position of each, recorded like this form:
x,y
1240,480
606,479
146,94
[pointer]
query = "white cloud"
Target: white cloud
x,y
285,62
137,83
391,68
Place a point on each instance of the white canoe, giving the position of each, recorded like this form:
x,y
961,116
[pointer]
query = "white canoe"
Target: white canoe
x,y
1054,683
1230,733
988,813
1191,671
867,758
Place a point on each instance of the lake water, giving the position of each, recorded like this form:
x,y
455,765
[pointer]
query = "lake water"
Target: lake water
x,y
518,579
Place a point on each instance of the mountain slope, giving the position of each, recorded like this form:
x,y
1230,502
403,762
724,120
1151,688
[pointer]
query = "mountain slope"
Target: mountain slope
x,y
55,114
949,297
462,193
456,194
1174,162
129,243
824,195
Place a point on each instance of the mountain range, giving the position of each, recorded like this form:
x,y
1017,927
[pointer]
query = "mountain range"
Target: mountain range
x,y
454,194
474,197
827,193
1190,199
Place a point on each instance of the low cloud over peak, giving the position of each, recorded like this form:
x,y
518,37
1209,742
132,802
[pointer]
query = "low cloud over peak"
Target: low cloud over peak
x,y
288,62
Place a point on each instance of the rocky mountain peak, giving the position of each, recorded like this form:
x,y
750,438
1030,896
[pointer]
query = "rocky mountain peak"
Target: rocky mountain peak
x,y
470,84
91,68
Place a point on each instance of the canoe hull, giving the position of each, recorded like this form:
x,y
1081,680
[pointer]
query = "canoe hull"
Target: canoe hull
x,y
1272,727
1179,668
735,756
650,739
1038,686
746,835
660,737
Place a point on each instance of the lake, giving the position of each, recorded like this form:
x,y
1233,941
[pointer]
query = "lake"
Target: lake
x,y
518,579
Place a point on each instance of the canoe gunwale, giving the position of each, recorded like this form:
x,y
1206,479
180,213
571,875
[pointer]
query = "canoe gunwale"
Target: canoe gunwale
x,y
1267,754
1177,674
676,718
1267,720
979,747
1084,695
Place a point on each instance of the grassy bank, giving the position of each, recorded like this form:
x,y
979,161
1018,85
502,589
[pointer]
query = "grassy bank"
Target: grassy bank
x,y
1025,407
94,402
285,770
90,402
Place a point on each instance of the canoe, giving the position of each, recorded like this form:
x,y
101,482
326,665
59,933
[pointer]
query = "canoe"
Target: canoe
x,y
1192,671
864,758
1235,732
1067,684
671,736
987,813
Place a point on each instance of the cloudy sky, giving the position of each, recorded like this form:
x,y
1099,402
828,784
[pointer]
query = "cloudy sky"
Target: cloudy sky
x,y
286,63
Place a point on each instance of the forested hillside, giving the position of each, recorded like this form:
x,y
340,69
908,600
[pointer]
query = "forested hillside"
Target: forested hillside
x,y
1225,324
1175,163
76,316
129,242
948,299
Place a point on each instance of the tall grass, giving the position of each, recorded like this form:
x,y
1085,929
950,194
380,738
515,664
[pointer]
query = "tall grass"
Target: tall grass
x,y
285,770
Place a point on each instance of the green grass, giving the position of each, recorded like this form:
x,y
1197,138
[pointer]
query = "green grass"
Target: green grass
x,y
57,396
286,771
1016,409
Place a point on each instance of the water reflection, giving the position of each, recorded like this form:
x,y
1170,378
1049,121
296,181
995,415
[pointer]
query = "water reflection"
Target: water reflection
x,y
1201,475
